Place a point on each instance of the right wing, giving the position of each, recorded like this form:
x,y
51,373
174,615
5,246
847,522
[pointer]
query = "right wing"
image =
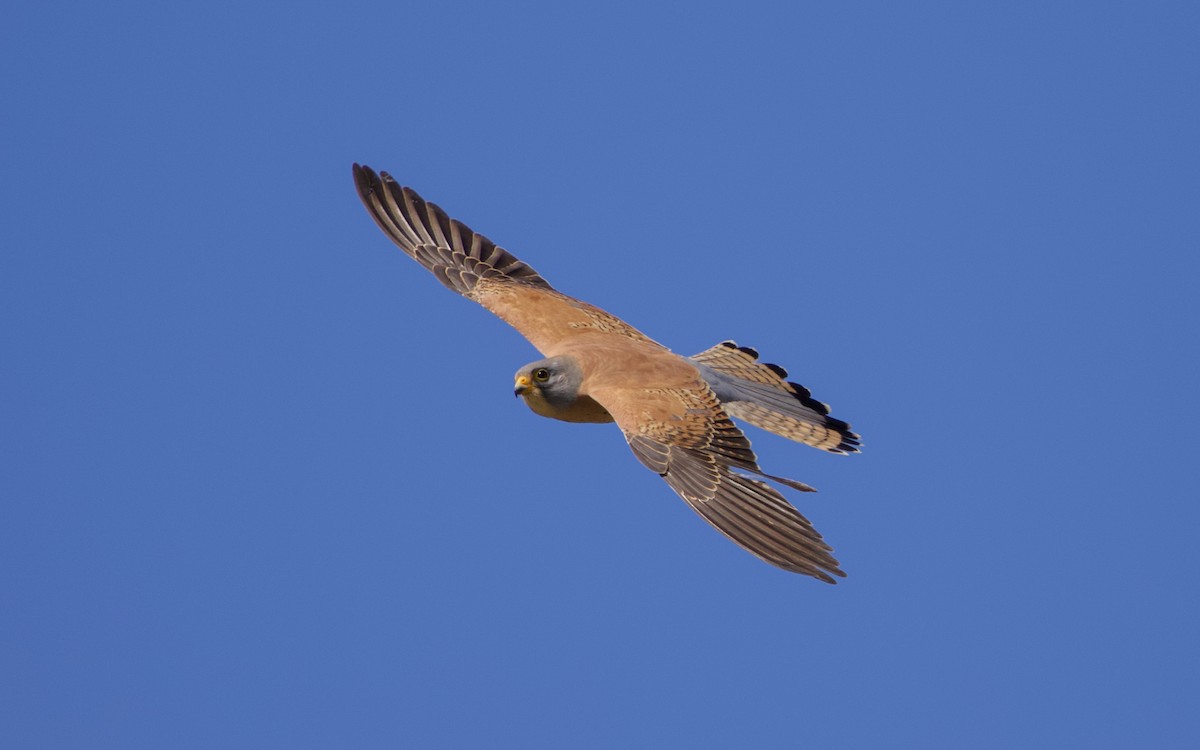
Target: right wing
x,y
480,270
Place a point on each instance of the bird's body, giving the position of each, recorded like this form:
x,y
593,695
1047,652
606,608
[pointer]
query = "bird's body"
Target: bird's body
x,y
674,411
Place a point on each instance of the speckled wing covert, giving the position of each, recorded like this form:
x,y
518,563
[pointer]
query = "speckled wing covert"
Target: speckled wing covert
x,y
685,436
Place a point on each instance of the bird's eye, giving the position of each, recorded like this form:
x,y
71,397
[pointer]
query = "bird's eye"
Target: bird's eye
x,y
541,374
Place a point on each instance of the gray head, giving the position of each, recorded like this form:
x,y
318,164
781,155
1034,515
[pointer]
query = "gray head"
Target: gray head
x,y
554,380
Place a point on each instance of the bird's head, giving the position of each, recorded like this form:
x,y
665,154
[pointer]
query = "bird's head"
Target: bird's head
x,y
553,381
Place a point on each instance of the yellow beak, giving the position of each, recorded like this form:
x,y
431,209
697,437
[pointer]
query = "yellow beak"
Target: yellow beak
x,y
522,385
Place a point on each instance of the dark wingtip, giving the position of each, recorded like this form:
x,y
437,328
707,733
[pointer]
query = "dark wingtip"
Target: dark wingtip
x,y
365,180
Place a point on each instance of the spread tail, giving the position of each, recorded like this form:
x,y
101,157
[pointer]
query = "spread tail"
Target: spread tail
x,y
760,394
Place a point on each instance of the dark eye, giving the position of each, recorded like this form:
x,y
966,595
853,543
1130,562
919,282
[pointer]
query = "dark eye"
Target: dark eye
x,y
541,374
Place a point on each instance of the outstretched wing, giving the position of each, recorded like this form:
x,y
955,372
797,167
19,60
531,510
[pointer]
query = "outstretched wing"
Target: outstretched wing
x,y
458,257
684,436
480,270
760,393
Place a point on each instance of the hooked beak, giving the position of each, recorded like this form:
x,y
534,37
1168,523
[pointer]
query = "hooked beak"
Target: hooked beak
x,y
522,386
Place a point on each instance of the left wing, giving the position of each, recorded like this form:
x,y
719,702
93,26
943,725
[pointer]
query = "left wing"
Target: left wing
x,y
684,436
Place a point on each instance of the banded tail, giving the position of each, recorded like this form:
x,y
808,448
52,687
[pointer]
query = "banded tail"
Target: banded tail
x,y
760,394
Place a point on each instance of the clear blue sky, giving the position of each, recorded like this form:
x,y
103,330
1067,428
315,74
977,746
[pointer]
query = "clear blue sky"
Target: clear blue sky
x,y
265,484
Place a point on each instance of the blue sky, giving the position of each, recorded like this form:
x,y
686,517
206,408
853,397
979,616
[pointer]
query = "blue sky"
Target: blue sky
x,y
265,484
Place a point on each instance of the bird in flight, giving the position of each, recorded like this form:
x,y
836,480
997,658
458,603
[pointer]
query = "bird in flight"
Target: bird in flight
x,y
675,411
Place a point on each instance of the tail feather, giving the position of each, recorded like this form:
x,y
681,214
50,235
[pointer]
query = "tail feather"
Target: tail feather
x,y
760,394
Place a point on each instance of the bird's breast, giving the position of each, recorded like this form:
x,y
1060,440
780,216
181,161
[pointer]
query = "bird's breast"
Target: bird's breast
x,y
582,409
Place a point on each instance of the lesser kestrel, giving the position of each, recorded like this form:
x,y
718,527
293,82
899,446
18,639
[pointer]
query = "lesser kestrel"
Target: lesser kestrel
x,y
675,411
